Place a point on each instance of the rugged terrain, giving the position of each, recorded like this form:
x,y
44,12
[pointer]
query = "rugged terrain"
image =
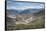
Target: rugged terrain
x,y
25,20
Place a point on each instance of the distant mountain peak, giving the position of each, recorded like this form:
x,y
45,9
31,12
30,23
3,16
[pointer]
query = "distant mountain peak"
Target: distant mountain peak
x,y
27,11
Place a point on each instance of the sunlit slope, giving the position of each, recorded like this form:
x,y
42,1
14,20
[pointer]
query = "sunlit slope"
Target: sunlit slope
x,y
38,23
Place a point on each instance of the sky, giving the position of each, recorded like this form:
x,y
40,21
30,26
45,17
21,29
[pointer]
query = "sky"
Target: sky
x,y
23,5
29,0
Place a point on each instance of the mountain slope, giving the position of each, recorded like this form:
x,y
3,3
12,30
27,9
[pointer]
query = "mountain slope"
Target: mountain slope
x,y
27,11
36,24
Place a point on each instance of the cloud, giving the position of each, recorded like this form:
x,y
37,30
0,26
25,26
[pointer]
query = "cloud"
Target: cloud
x,y
28,7
29,0
23,6
32,0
